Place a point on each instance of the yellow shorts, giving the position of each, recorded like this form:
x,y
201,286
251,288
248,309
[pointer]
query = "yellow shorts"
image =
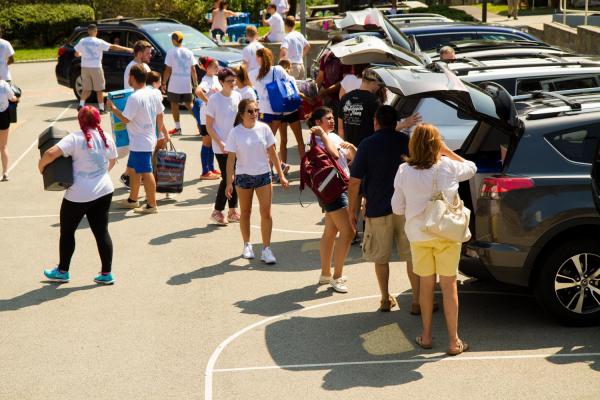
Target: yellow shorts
x,y
437,256
380,235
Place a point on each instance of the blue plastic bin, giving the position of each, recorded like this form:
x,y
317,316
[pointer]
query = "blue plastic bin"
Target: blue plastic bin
x,y
236,31
243,18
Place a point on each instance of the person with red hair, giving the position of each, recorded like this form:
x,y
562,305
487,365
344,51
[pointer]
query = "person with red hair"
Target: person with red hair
x,y
94,154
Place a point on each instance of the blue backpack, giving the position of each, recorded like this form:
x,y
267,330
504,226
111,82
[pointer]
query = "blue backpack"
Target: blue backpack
x,y
283,95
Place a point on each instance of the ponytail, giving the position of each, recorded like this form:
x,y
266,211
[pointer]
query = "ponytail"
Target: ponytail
x,y
89,119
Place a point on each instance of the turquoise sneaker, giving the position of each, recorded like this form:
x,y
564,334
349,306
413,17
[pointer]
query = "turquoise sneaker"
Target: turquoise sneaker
x,y
56,276
104,279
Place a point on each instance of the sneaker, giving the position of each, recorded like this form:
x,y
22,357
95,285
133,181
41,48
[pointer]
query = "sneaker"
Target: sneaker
x,y
267,256
324,280
175,132
216,172
79,107
209,176
102,111
5,178
125,203
56,276
124,179
339,285
146,210
218,218
104,279
233,216
248,253
285,168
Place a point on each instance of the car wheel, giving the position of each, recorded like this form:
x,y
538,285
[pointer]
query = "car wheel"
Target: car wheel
x,y
568,286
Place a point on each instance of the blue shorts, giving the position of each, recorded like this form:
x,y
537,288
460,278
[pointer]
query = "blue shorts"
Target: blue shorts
x,y
244,181
341,202
140,161
268,118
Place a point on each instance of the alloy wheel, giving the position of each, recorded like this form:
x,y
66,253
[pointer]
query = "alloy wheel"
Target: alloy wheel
x,y
577,283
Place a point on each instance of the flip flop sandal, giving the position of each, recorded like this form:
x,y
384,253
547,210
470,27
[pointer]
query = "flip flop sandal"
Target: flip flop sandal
x,y
386,306
419,341
462,347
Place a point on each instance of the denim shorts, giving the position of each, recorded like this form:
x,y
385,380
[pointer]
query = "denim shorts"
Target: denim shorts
x,y
268,118
244,181
140,161
341,202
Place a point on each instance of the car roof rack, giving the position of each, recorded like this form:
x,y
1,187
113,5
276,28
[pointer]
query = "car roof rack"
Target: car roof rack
x,y
132,20
541,104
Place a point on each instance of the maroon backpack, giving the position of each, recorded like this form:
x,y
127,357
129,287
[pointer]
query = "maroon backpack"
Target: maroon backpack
x,y
321,172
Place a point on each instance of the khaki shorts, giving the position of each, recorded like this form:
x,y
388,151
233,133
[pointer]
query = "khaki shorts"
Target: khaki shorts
x,y
298,71
380,235
92,79
437,256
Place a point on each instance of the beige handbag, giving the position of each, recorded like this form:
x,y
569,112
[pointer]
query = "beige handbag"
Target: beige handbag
x,y
447,220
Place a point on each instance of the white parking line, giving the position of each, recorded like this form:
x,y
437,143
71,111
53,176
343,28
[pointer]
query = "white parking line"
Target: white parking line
x,y
32,145
421,360
210,367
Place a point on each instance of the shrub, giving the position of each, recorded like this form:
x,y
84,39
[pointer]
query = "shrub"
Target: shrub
x,y
42,24
452,13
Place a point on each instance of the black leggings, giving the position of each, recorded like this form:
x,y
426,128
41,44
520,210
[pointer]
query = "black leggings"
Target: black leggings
x,y
221,198
71,214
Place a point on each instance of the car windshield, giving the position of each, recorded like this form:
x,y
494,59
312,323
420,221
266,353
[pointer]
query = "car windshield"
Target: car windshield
x,y
397,37
192,39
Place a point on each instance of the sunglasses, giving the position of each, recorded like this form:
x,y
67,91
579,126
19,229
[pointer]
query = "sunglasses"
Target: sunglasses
x,y
252,111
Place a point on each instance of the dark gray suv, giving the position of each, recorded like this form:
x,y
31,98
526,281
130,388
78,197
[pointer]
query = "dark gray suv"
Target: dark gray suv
x,y
535,222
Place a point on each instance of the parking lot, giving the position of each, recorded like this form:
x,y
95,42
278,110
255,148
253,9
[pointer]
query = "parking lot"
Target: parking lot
x,y
189,319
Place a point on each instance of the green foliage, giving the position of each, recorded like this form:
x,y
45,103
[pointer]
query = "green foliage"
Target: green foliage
x,y
42,24
452,13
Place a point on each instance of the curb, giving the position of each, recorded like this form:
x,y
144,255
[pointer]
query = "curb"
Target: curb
x,y
46,60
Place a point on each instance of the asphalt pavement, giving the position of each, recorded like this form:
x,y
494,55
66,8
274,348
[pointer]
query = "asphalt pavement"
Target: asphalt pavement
x,y
189,319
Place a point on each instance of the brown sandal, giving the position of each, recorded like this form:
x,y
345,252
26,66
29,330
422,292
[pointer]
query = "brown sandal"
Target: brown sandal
x,y
387,305
462,347
415,308
419,341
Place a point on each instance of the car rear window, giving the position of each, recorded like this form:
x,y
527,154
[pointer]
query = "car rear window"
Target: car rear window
x,y
577,145
555,83
435,42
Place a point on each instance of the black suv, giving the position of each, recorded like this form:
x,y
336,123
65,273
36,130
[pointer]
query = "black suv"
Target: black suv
x,y
127,31
535,221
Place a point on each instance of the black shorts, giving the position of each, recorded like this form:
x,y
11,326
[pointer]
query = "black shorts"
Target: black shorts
x,y
291,118
203,131
180,97
4,120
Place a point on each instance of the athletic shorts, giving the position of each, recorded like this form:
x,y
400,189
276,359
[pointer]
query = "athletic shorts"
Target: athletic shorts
x,y
140,161
268,118
4,119
438,256
298,71
380,235
92,79
339,203
179,97
244,181
291,117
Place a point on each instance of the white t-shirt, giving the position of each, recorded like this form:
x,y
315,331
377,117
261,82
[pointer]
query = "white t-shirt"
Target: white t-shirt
x,y
261,89
128,69
90,166
276,32
351,82
282,6
294,42
141,110
413,189
91,49
223,110
181,60
337,141
247,92
210,85
6,93
6,51
159,96
250,148
249,54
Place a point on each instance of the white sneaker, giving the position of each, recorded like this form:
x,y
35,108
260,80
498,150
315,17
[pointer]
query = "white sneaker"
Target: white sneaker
x,y
267,256
324,280
248,253
339,285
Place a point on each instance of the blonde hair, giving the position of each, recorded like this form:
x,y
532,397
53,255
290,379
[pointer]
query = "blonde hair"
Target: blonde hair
x,y
424,147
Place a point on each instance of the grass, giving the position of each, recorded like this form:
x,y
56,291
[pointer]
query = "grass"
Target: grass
x,y
36,54
502,9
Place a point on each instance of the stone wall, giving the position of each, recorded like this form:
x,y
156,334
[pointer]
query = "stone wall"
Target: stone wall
x,y
583,39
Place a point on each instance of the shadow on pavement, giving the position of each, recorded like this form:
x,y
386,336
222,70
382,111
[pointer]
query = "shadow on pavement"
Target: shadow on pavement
x,y
279,303
493,322
185,234
48,292
60,104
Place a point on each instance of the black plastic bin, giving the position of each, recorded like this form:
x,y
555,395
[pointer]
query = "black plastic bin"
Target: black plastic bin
x,y
12,107
59,174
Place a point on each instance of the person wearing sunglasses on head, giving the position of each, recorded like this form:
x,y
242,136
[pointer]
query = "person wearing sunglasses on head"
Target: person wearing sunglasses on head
x,y
250,147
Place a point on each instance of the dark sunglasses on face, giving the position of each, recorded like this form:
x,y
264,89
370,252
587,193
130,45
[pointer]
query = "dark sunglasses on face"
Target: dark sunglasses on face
x,y
252,111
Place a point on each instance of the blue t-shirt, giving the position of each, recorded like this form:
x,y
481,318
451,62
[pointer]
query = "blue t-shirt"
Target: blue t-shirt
x,y
376,163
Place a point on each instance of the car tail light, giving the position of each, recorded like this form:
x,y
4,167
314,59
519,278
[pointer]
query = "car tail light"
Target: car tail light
x,y
494,186
61,51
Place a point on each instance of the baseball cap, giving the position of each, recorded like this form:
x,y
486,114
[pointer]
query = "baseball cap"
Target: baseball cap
x,y
177,36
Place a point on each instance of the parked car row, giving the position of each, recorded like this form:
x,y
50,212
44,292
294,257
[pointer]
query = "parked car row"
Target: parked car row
x,y
528,114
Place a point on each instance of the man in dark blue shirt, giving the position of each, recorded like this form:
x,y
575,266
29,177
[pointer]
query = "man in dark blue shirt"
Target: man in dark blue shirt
x,y
376,164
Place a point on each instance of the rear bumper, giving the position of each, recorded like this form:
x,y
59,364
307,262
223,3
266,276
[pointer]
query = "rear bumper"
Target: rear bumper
x,y
61,77
502,262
